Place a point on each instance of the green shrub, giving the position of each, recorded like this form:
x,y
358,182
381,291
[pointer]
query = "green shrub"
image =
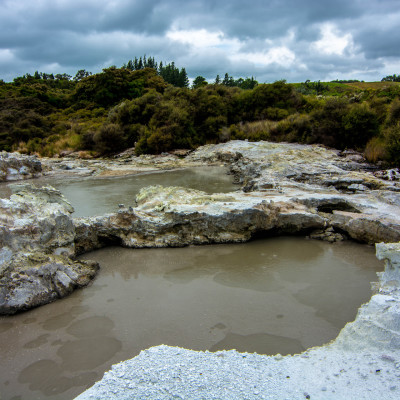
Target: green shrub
x,y
34,145
160,140
109,139
88,142
326,122
392,136
295,128
393,116
360,124
276,114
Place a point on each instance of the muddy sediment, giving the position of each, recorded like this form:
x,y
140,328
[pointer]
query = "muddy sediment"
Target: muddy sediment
x,y
272,295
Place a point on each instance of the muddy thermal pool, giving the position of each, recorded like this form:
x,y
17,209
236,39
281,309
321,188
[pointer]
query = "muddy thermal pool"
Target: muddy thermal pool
x,y
100,195
278,295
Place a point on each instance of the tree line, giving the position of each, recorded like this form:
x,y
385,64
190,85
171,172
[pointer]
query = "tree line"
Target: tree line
x,y
149,106
391,78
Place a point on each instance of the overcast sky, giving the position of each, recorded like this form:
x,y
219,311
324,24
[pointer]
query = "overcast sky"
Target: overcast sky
x,y
268,39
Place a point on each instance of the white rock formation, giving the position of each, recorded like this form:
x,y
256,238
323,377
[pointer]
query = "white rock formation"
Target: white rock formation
x,y
37,240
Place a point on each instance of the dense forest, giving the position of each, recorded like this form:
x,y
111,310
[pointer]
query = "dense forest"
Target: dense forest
x,y
151,106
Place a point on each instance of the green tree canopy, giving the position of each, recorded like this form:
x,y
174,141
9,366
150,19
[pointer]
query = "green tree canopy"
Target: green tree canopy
x,y
199,81
116,84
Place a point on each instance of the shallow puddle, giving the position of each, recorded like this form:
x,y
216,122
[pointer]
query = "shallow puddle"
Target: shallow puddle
x,y
279,295
97,196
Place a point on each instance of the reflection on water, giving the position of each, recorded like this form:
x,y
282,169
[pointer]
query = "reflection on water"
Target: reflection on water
x,y
276,295
96,196
262,343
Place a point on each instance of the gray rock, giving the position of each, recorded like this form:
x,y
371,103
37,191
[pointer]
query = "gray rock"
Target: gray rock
x,y
34,279
357,186
36,238
15,166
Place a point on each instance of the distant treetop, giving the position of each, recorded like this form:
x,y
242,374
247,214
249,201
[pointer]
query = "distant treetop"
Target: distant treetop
x,y
391,78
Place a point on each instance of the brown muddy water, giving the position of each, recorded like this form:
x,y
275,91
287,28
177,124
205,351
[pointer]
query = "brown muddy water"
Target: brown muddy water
x,y
97,196
277,295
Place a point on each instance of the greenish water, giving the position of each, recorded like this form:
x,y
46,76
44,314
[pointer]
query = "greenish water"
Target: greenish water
x,y
278,295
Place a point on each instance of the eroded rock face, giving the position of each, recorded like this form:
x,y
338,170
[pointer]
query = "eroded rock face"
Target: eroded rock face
x,y
32,279
36,219
177,217
377,325
265,166
37,239
15,166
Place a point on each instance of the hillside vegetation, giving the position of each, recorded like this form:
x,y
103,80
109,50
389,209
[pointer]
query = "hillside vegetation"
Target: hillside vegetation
x,y
151,107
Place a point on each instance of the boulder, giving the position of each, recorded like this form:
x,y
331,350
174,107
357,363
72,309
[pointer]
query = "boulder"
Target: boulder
x,y
32,279
36,219
15,166
37,240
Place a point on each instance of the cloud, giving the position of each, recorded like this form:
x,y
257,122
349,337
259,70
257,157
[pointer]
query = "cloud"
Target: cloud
x,y
311,39
331,41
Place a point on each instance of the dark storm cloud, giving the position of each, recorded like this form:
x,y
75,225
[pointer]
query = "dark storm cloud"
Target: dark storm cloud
x,y
292,39
262,18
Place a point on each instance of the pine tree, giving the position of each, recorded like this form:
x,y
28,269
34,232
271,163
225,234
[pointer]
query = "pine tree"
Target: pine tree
x,y
130,65
184,78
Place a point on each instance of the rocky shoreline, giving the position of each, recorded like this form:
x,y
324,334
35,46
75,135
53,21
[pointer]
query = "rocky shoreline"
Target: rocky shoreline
x,y
286,189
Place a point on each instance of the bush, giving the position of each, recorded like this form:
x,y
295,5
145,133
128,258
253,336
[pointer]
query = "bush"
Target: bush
x,y
253,131
392,136
255,104
295,128
276,114
88,142
394,112
116,84
109,139
160,141
341,124
327,122
375,150
360,124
